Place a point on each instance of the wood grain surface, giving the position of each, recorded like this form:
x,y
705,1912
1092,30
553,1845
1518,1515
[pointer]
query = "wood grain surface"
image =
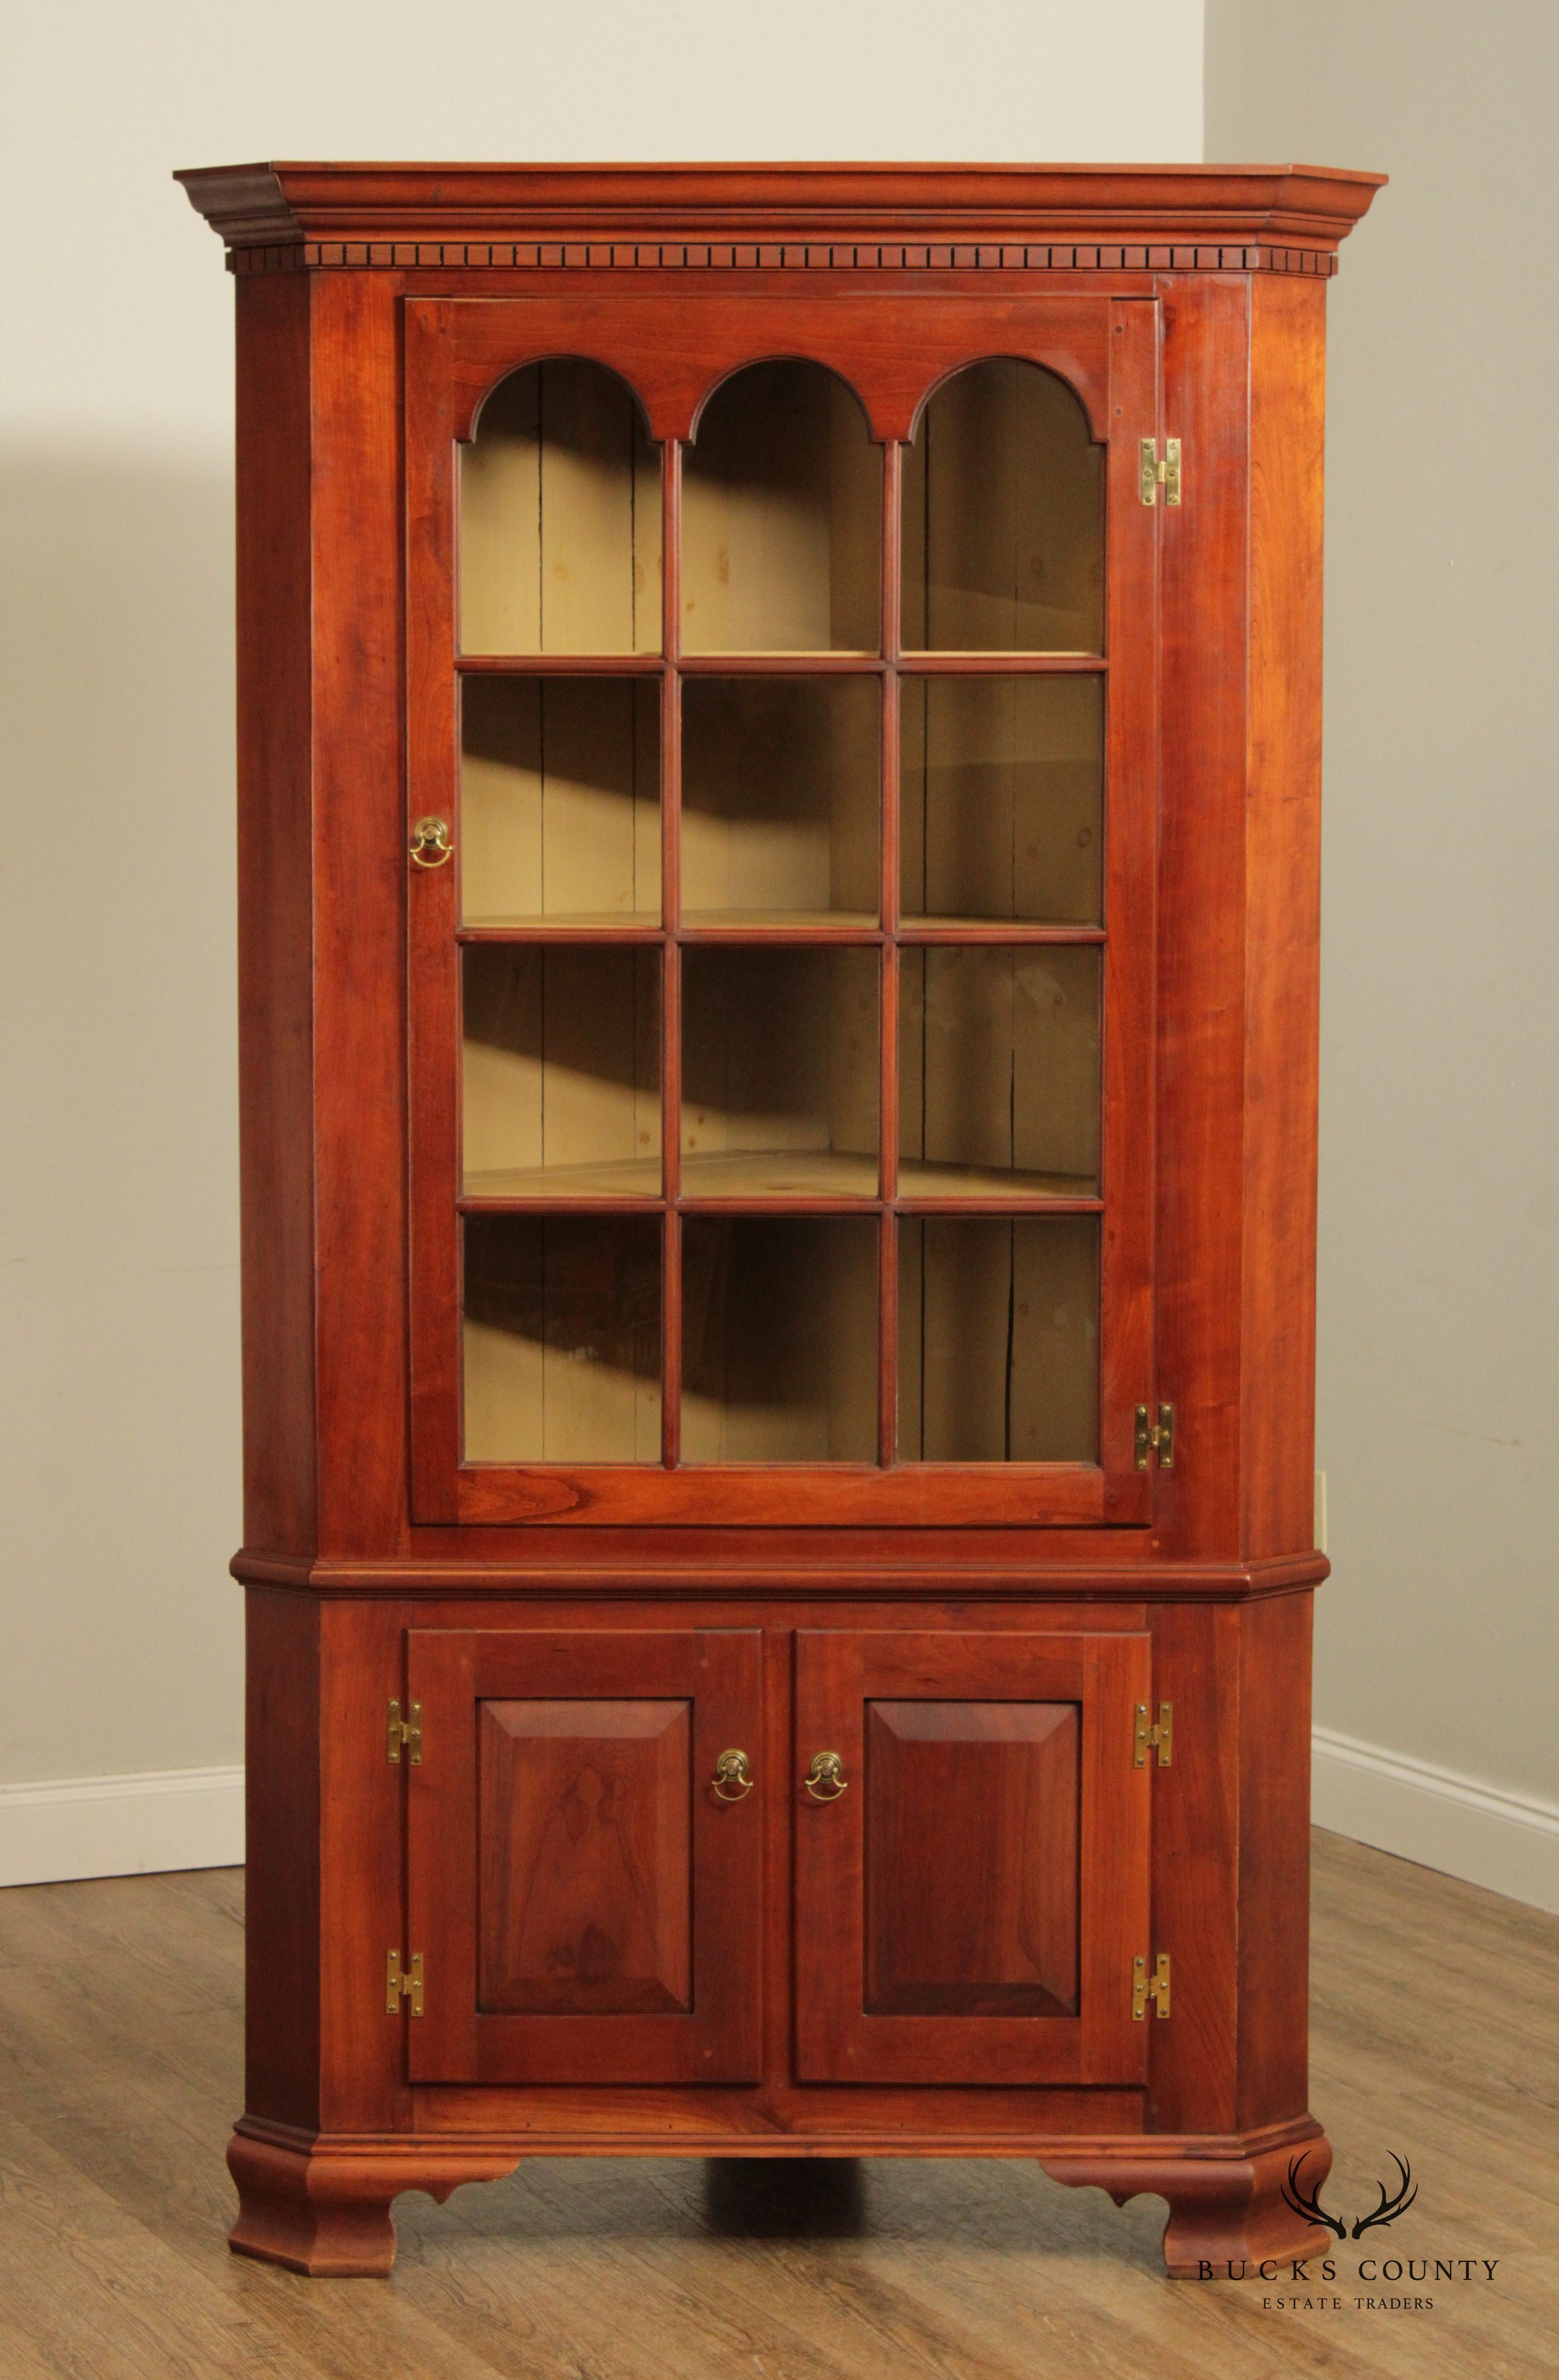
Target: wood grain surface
x,y
123,2069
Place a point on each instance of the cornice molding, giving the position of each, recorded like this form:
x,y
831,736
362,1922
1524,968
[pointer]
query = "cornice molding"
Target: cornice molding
x,y
806,217
463,256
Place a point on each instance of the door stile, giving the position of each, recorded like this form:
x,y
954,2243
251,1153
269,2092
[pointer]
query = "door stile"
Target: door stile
x,y
432,914
1131,774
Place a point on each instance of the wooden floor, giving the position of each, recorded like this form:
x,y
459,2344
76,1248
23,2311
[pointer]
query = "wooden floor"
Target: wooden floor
x,y
1436,2015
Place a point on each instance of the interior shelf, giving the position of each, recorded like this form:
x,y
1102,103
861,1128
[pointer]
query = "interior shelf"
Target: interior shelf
x,y
799,921
629,1177
562,922
919,1180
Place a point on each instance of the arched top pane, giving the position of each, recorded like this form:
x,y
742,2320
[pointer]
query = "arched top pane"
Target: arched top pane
x,y
781,518
1004,517
560,517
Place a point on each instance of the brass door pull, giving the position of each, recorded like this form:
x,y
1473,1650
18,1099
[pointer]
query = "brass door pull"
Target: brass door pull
x,y
826,1780
731,1769
430,846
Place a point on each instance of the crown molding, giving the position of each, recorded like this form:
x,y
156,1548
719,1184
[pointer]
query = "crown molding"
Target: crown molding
x,y
397,215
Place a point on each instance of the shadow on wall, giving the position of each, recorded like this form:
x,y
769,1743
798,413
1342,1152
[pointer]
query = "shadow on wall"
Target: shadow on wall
x,y
120,1193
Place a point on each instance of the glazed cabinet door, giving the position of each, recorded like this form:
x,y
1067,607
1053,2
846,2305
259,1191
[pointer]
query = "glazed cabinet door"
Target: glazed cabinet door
x,y
782,810
584,1867
972,1857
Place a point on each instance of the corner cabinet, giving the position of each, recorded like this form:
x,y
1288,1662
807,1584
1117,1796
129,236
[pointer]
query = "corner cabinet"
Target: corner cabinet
x,y
778,767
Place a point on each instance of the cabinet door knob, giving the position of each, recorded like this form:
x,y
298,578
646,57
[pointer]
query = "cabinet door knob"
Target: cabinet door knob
x,y
826,1780
732,1770
430,846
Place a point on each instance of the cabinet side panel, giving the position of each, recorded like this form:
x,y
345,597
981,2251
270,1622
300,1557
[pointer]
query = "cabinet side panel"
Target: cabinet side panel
x,y
1195,1879
360,866
1201,944
281,1832
1282,916
1274,1649
276,1010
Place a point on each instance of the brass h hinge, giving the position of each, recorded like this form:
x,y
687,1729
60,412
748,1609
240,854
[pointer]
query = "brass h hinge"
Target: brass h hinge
x,y
1142,1991
399,1986
1160,1440
407,1730
1161,1737
1154,475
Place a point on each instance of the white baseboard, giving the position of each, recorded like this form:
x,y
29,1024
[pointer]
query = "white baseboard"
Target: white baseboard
x,y
79,1827
1508,1842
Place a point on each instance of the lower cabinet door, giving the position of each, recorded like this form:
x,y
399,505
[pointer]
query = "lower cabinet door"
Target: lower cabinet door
x,y
586,1907
972,1861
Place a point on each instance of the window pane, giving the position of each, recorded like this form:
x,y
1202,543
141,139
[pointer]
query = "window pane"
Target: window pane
x,y
999,1072
998,1339
1003,799
563,1339
780,809
779,1338
781,518
560,517
780,1072
1004,517
560,1070
560,800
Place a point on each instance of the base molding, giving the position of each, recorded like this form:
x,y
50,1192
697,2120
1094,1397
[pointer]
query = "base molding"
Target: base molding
x,y
325,2211
322,2205
1228,2214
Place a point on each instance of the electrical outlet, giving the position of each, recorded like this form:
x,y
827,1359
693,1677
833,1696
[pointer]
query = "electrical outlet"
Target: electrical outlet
x,y
1321,1511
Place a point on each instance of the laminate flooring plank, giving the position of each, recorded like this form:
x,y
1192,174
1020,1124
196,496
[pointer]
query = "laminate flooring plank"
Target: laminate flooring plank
x,y
1436,2035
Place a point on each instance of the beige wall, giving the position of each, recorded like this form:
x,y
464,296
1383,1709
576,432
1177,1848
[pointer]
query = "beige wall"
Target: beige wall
x,y
118,1425
1438,1384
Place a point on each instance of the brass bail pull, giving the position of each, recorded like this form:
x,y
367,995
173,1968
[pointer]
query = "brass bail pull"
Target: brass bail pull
x,y
734,1779
826,1780
430,846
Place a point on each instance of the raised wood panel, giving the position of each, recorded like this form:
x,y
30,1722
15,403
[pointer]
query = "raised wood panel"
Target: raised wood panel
x,y
843,1679
587,1908
585,1859
972,1837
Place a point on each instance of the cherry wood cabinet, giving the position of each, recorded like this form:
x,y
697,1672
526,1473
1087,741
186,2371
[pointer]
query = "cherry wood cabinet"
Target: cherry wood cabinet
x,y
778,773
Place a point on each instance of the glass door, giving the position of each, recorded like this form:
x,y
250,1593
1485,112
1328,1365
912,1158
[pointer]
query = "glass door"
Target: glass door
x,y
782,810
